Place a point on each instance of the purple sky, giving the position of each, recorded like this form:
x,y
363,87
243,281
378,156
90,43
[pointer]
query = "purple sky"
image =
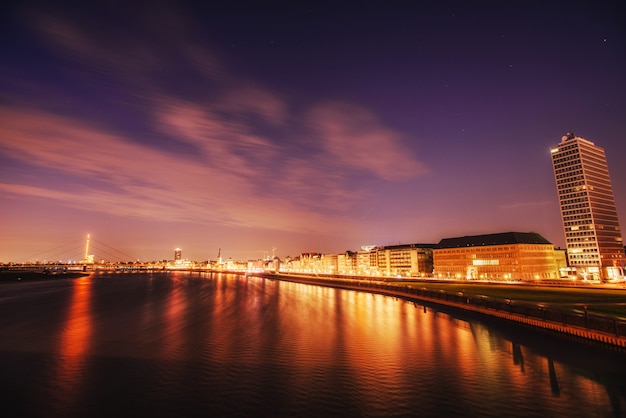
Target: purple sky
x,y
302,127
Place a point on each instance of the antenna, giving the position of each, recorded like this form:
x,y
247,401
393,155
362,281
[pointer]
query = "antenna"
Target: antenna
x,y
87,248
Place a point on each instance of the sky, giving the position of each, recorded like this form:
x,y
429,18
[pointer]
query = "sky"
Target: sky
x,y
296,126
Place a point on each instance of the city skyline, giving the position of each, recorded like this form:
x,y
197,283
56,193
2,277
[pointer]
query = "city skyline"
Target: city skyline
x,y
301,128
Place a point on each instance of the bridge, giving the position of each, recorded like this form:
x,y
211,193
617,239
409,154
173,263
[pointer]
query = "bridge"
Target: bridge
x,y
77,252
77,256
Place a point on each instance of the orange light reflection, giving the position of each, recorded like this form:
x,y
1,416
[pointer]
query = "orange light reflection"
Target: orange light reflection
x,y
74,341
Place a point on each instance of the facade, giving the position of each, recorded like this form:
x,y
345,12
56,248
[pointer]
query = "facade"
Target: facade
x,y
560,256
406,260
329,263
308,262
346,263
366,264
178,254
592,233
525,256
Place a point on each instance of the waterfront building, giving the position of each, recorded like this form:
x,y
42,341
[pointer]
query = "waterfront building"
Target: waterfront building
x,y
592,233
560,257
329,264
235,265
256,265
308,263
273,264
525,256
178,254
347,262
406,260
366,263
290,263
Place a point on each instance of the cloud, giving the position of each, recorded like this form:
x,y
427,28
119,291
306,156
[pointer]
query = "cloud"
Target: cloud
x,y
140,51
521,205
256,101
356,138
230,114
215,135
110,174
270,168
216,148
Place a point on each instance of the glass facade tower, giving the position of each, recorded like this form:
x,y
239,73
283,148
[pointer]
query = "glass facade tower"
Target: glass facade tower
x,y
592,234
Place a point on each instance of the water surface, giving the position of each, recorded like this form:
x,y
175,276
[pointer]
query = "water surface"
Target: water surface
x,y
179,344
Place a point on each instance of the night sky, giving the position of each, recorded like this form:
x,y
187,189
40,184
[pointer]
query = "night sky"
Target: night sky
x,y
303,126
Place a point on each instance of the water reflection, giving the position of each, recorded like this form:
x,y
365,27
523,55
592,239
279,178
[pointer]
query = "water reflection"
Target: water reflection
x,y
222,345
401,353
518,357
554,382
74,343
171,338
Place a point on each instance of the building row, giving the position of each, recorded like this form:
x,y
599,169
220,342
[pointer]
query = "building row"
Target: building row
x,y
410,260
510,256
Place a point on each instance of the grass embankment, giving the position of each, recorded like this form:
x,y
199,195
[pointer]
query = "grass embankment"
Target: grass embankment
x,y
600,301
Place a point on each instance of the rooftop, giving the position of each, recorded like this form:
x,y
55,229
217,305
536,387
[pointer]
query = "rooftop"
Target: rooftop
x,y
493,239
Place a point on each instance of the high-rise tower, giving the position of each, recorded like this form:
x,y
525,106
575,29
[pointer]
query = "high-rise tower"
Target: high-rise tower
x,y
592,234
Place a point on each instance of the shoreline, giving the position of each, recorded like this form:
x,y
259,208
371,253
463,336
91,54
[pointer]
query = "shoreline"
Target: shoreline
x,y
15,276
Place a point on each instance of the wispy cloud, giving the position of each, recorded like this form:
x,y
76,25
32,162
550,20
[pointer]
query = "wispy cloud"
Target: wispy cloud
x,y
521,205
245,168
254,100
356,138
114,175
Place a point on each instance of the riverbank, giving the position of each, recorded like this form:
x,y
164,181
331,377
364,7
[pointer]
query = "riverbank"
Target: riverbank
x,y
25,276
600,329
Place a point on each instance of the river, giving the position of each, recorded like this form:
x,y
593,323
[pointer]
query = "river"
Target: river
x,y
191,344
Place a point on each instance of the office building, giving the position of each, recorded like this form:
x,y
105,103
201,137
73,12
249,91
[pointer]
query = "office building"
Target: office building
x,y
508,256
592,234
405,260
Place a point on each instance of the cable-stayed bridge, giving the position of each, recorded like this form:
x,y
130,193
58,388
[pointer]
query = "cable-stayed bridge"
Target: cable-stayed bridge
x,y
77,255
90,255
79,252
